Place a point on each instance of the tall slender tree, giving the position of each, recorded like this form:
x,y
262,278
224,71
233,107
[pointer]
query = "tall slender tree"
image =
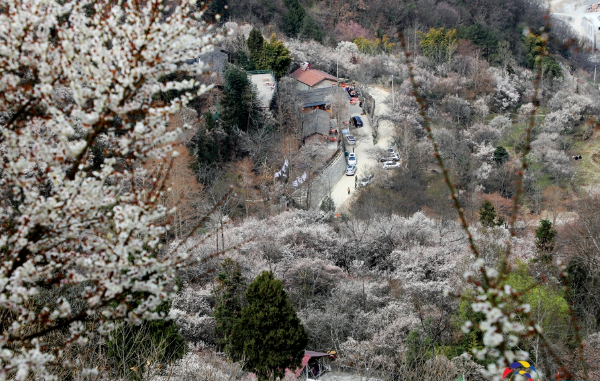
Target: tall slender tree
x,y
255,44
229,301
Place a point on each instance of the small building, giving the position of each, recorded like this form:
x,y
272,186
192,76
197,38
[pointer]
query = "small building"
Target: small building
x,y
215,59
264,80
316,122
308,78
321,98
590,26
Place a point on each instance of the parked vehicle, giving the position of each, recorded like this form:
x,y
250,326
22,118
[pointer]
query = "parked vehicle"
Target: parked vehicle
x,y
390,149
391,164
350,139
351,170
352,159
357,121
392,157
368,179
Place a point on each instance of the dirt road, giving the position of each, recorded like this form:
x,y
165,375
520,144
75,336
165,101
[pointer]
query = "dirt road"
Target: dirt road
x,y
571,11
366,152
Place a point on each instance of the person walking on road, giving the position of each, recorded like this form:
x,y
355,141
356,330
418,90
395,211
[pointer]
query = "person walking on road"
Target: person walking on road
x,y
348,190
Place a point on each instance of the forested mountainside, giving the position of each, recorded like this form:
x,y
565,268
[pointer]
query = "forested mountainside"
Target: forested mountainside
x,y
400,190
486,23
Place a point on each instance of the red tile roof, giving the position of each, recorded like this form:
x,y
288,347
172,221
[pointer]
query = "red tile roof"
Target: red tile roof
x,y
311,77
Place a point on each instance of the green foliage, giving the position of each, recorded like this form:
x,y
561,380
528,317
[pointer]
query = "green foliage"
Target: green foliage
x,y
327,205
500,155
239,108
548,306
269,337
243,61
255,44
133,347
312,30
584,291
487,215
474,338
483,37
274,56
293,21
533,50
373,47
418,348
439,44
205,147
228,293
545,237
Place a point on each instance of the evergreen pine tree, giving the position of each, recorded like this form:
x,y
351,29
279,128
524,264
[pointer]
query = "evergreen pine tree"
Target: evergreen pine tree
x,y
327,205
239,109
312,30
294,19
500,155
229,301
269,337
544,237
487,215
255,44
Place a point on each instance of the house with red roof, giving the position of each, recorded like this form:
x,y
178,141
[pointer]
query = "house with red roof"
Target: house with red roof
x,y
308,78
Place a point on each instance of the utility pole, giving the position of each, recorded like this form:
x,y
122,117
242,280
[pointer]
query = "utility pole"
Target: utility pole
x,y
594,74
337,68
392,90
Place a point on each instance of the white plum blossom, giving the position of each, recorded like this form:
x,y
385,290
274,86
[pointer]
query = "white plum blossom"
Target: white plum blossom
x,y
500,122
561,122
575,104
506,94
75,74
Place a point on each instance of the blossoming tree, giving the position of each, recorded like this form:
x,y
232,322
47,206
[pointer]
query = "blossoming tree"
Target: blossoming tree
x,y
74,74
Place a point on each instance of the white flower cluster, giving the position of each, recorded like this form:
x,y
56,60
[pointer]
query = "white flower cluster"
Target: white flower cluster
x,y
73,73
501,330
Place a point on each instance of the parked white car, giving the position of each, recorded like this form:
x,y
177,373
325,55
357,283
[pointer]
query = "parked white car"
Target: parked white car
x,y
350,139
390,157
391,164
352,159
368,179
351,170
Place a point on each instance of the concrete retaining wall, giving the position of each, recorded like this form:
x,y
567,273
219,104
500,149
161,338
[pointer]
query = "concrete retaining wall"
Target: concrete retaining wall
x,y
321,186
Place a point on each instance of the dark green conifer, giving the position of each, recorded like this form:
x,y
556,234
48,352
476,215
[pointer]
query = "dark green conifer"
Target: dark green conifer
x,y
255,44
544,237
229,301
500,155
269,337
487,215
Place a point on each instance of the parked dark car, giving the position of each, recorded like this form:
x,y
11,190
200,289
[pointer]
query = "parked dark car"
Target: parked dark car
x,y
357,121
